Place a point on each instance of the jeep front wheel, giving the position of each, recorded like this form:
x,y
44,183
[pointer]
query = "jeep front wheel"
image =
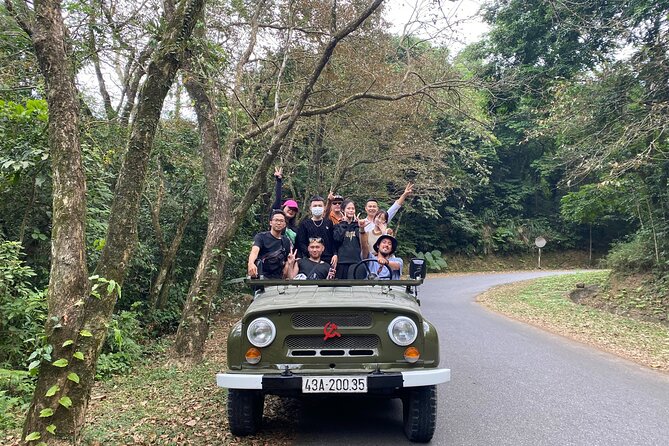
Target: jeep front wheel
x,y
420,413
245,408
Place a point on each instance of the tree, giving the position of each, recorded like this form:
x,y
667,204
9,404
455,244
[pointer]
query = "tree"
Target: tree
x,y
77,318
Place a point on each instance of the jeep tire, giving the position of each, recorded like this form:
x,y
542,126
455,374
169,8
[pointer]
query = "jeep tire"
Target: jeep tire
x,y
420,413
245,408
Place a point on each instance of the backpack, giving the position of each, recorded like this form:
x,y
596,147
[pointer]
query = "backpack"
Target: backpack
x,y
273,262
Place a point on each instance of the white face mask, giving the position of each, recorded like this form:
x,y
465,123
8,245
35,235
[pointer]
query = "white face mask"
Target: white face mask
x,y
317,211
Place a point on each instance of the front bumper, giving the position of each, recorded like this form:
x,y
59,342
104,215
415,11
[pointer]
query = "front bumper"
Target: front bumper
x,y
293,382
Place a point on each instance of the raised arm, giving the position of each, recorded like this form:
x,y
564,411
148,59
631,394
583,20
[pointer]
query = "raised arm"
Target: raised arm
x,y
277,189
408,190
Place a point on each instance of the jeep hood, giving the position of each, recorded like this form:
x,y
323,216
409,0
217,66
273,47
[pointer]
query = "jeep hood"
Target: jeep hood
x,y
277,298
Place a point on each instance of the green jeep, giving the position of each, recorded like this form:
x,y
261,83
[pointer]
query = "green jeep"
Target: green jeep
x,y
334,336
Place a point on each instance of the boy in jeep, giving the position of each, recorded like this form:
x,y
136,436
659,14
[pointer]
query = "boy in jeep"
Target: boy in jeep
x,y
270,250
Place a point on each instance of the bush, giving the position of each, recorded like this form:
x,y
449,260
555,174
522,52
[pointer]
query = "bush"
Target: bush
x,y
634,255
16,389
122,348
22,308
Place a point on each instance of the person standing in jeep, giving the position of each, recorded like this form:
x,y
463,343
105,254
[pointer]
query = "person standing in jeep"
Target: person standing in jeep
x,y
318,226
270,250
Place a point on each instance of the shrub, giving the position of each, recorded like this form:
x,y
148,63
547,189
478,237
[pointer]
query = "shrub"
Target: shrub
x,y
634,255
122,348
16,389
22,308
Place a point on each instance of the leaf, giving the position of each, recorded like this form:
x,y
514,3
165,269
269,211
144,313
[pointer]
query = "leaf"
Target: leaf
x,y
51,429
66,402
62,362
33,436
86,333
111,286
79,355
33,365
68,342
52,390
73,377
44,413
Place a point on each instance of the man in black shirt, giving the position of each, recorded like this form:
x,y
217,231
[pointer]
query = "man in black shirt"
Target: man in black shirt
x,y
270,249
312,268
315,227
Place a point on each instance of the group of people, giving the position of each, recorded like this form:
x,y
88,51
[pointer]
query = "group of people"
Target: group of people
x,y
329,243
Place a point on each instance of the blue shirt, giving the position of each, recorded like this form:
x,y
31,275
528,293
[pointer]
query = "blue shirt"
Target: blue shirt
x,y
383,272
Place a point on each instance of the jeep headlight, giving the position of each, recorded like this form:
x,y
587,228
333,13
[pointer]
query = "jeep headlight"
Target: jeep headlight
x,y
261,332
402,330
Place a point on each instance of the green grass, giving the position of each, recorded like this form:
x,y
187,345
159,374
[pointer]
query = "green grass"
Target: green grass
x,y
544,302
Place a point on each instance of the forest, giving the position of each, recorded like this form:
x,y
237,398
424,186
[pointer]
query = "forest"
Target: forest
x,y
138,142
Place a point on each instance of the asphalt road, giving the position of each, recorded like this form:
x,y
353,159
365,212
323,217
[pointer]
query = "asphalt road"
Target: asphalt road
x,y
511,384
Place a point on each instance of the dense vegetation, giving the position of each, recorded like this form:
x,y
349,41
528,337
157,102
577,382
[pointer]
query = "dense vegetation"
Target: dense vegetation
x,y
555,124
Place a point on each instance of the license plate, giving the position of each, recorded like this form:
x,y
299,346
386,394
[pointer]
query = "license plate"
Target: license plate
x,y
334,384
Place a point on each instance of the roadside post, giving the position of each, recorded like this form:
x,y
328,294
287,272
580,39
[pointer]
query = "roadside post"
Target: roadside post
x,y
539,242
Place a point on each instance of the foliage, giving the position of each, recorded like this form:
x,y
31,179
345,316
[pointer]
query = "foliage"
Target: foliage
x,y
16,388
434,260
22,308
632,255
122,349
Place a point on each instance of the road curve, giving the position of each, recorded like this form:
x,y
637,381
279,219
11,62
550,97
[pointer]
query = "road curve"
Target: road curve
x,y
512,384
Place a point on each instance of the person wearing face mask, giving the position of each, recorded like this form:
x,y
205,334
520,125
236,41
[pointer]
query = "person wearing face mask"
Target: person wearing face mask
x,y
316,226
289,207
351,240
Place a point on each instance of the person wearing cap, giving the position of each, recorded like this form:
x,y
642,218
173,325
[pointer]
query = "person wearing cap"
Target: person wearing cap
x,y
289,207
372,207
385,265
333,208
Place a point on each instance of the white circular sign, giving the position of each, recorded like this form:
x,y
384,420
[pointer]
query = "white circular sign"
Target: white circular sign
x,y
540,242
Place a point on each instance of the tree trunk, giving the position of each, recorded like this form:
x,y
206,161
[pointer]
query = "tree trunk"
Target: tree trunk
x,y
194,326
65,405
159,290
77,321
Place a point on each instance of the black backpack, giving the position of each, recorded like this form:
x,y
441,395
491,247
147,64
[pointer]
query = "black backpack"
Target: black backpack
x,y
273,262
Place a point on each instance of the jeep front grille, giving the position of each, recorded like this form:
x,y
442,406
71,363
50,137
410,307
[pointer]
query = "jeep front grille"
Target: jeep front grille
x,y
348,345
318,320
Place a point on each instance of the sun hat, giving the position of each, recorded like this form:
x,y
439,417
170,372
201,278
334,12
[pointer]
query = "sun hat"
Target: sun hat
x,y
392,239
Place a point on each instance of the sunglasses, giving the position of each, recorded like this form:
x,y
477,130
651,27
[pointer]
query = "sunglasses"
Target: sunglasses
x,y
316,239
337,203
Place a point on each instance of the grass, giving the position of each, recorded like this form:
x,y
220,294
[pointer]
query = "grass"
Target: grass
x,y
159,403
545,303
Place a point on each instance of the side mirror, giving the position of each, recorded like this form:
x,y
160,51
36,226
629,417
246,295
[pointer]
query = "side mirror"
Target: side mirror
x,y
417,269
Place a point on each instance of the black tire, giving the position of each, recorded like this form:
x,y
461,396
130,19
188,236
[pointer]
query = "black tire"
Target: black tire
x,y
420,413
245,408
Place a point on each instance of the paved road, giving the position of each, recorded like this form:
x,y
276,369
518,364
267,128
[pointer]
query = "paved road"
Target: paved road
x,y
511,384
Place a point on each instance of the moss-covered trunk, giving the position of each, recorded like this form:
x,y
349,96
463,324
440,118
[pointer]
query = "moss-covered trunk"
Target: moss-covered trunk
x,y
77,321
59,402
194,325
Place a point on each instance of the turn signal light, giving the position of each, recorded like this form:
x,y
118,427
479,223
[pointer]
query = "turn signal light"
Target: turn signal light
x,y
411,354
253,355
